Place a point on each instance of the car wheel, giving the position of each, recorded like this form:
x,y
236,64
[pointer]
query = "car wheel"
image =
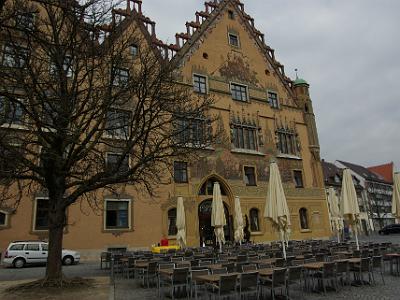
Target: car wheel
x,y
68,260
19,263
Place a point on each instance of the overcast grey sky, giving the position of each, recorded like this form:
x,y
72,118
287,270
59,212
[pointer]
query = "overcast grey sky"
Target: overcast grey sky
x,y
349,52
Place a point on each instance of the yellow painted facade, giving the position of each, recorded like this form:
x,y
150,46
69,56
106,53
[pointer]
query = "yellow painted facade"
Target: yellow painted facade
x,y
209,53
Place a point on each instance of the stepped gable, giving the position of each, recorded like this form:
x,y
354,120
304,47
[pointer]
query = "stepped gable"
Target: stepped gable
x,y
186,41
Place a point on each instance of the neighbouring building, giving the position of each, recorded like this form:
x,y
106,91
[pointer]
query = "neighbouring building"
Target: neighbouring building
x,y
262,114
333,176
378,192
385,170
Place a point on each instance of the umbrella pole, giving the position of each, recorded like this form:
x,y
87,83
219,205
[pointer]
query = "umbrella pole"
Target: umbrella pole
x,y
355,233
283,245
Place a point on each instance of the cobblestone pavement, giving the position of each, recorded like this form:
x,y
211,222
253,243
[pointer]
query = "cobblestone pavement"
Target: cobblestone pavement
x,y
130,289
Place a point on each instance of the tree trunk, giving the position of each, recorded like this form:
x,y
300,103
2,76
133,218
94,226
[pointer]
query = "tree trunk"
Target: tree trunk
x,y
56,227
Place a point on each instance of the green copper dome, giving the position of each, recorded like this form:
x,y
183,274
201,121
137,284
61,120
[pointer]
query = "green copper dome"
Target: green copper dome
x,y
300,81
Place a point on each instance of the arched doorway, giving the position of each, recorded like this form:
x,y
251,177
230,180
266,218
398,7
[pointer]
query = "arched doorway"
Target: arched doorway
x,y
206,232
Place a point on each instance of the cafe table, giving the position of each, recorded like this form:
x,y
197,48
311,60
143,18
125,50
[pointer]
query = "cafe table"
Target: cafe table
x,y
394,259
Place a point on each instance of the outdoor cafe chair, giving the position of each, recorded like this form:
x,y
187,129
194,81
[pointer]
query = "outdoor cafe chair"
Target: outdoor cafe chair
x,y
105,259
359,269
249,268
226,287
179,279
150,273
328,273
195,284
294,276
205,263
248,285
377,264
297,262
280,262
342,271
219,271
278,280
230,267
264,266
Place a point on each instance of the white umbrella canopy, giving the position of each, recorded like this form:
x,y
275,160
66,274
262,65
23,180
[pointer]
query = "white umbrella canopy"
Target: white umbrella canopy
x,y
276,208
349,208
337,221
180,223
396,196
218,220
239,235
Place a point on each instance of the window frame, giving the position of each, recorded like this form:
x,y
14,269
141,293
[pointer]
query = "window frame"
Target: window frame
x,y
299,172
12,52
241,137
122,131
21,16
233,34
251,218
16,106
35,212
171,234
194,75
134,54
67,67
191,132
181,169
129,215
254,175
6,219
119,154
235,84
117,82
274,105
305,210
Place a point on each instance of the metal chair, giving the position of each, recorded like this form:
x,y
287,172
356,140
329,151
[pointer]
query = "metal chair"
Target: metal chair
x,y
294,276
359,269
226,287
377,264
328,273
342,270
248,284
249,268
150,272
219,271
178,279
105,258
278,281
194,283
230,267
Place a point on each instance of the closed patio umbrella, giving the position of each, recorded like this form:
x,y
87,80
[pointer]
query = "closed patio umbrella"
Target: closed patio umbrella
x,y
349,208
337,221
218,220
396,196
180,223
239,235
276,208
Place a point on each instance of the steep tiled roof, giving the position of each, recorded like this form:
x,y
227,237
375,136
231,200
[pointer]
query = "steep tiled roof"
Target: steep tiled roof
x,y
364,172
331,173
385,170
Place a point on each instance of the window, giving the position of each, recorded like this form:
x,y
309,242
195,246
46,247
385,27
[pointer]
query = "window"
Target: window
x,y
134,50
172,230
117,123
116,163
298,178
117,214
121,77
273,99
15,56
32,247
200,84
249,176
208,187
17,247
11,112
25,20
303,218
239,92
42,214
244,137
191,131
287,143
67,67
233,40
231,14
254,220
2,219
180,172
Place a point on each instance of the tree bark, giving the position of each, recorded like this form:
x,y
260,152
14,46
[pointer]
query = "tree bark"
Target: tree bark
x,y
54,262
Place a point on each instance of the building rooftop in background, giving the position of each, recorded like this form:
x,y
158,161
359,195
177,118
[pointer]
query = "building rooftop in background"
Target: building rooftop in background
x,y
364,172
332,173
385,170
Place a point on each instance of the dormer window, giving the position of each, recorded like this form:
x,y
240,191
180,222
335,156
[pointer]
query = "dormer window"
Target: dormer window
x,y
233,39
231,14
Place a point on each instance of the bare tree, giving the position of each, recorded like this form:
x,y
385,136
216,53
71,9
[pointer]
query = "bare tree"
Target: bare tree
x,y
73,86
